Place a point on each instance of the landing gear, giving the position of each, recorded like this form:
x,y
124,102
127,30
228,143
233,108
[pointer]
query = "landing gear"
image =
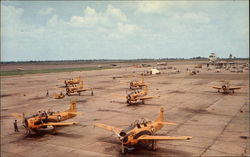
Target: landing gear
x,y
129,102
154,145
54,131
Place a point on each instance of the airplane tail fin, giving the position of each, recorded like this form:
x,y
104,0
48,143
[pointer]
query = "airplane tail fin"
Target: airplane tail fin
x,y
72,107
161,117
145,89
81,84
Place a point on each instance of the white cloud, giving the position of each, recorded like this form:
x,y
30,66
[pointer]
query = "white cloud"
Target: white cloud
x,y
151,6
117,13
90,11
10,14
127,28
90,18
46,11
112,22
11,20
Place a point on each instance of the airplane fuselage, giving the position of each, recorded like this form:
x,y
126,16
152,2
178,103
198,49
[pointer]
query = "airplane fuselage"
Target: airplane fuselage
x,y
36,122
130,135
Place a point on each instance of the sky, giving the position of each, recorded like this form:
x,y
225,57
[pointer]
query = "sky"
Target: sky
x,y
79,30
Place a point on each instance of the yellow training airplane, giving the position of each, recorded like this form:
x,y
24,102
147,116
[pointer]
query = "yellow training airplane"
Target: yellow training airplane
x,y
137,84
225,87
137,96
72,81
77,89
142,131
43,120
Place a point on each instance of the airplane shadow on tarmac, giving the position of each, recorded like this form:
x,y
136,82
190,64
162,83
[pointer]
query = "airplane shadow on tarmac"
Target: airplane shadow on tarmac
x,y
141,149
230,93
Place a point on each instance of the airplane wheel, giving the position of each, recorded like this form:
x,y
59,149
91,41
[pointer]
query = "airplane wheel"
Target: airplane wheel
x,y
154,145
59,118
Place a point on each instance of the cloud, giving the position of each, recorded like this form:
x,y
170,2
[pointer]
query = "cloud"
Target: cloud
x,y
117,13
156,7
90,18
112,21
11,20
127,28
151,6
46,11
10,14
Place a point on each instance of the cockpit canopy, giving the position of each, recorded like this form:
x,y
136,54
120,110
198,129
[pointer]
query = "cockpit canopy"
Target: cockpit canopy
x,y
137,123
141,121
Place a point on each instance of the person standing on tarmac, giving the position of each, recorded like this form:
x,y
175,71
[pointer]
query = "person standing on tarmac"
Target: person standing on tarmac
x,y
15,126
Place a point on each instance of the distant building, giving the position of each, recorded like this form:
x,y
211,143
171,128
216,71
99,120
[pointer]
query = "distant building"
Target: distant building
x,y
212,57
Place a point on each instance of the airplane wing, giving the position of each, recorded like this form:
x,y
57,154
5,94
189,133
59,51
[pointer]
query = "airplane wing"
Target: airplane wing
x,y
167,123
109,128
147,137
216,87
84,89
234,88
148,97
60,124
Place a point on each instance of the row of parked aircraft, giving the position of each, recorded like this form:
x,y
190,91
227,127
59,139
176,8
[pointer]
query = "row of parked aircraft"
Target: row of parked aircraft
x,y
140,131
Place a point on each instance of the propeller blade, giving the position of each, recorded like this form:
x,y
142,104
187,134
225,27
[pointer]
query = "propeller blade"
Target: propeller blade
x,y
123,148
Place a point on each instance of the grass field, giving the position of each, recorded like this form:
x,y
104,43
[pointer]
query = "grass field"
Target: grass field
x,y
22,72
